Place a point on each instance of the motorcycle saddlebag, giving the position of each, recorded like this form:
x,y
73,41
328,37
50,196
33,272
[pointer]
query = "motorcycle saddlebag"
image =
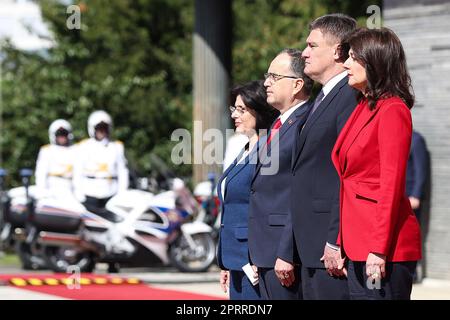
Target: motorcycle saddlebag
x,y
16,215
56,220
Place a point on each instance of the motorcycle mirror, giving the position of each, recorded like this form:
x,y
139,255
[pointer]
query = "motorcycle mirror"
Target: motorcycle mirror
x,y
3,174
25,173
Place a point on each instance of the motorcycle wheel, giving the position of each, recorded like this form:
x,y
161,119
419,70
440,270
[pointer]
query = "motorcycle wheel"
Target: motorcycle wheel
x,y
198,259
28,260
60,259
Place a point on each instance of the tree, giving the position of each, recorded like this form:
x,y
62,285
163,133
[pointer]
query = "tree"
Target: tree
x,y
130,58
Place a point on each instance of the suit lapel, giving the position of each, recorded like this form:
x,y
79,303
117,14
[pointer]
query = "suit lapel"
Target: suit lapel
x,y
303,132
237,168
290,123
301,122
342,135
361,119
262,151
224,175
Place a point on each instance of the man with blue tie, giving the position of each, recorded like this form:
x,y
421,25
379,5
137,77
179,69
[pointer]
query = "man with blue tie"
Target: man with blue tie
x,y
315,182
271,247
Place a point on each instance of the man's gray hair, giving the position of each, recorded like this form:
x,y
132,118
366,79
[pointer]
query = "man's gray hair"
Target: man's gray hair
x,y
298,67
336,25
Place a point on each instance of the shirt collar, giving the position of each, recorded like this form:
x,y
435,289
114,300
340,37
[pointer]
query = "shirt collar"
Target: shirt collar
x,y
327,87
283,117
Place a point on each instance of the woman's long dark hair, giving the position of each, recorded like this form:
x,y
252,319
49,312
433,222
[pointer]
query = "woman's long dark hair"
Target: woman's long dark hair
x,y
254,96
381,52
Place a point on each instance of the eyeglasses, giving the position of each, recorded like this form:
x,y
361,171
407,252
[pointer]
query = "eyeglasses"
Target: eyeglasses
x,y
240,110
275,77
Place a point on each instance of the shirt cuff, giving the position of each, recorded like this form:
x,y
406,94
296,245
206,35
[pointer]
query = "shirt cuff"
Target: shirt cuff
x,y
332,246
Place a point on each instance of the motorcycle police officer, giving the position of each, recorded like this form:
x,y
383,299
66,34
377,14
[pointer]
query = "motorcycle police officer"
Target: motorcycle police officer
x,y
54,165
100,169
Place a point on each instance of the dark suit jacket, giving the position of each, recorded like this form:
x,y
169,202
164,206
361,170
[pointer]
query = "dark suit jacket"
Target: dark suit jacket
x,y
417,170
270,197
315,182
232,251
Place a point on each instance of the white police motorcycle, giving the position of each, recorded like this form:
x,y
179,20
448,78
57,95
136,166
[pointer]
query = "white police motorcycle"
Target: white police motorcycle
x,y
137,229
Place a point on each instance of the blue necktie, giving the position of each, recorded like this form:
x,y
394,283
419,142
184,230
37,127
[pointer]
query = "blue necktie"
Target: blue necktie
x,y
317,102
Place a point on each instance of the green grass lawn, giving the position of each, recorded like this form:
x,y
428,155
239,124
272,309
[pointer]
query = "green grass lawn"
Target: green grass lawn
x,y
9,259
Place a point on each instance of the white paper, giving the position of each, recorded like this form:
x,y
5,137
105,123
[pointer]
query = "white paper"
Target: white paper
x,y
250,274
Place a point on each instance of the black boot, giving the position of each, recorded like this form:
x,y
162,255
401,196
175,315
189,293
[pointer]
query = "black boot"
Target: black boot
x,y
113,267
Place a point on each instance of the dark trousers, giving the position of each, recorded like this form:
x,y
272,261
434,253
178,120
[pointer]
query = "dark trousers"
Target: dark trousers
x,y
241,288
271,288
397,284
97,206
418,213
318,285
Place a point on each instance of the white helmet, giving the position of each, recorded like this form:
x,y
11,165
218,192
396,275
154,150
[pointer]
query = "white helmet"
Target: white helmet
x,y
97,117
57,125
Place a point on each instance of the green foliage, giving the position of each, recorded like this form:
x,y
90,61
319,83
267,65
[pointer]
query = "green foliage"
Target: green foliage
x,y
130,58
262,28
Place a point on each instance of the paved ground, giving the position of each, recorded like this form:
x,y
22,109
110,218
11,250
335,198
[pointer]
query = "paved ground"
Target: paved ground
x,y
199,283
431,289
208,283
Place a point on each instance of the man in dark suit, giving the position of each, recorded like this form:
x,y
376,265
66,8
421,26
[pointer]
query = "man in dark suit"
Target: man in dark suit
x,y
271,247
417,172
417,175
315,183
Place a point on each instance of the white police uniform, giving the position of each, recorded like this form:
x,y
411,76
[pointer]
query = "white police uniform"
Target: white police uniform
x,y
100,168
54,165
54,169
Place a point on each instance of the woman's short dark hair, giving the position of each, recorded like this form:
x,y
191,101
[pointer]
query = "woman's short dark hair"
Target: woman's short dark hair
x,y
381,53
254,96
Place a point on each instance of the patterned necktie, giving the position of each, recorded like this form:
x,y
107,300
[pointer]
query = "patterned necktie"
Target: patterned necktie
x,y
275,129
317,102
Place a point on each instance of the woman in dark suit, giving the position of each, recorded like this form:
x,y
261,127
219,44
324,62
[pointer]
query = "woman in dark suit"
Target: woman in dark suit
x,y
379,233
250,113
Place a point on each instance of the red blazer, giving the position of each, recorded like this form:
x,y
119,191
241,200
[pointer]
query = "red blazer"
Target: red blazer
x,y
371,155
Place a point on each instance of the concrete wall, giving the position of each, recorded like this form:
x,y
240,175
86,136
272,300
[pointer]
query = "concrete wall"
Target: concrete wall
x,y
424,29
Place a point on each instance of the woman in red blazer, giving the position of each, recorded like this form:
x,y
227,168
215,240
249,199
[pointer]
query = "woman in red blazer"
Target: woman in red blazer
x,y
379,233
